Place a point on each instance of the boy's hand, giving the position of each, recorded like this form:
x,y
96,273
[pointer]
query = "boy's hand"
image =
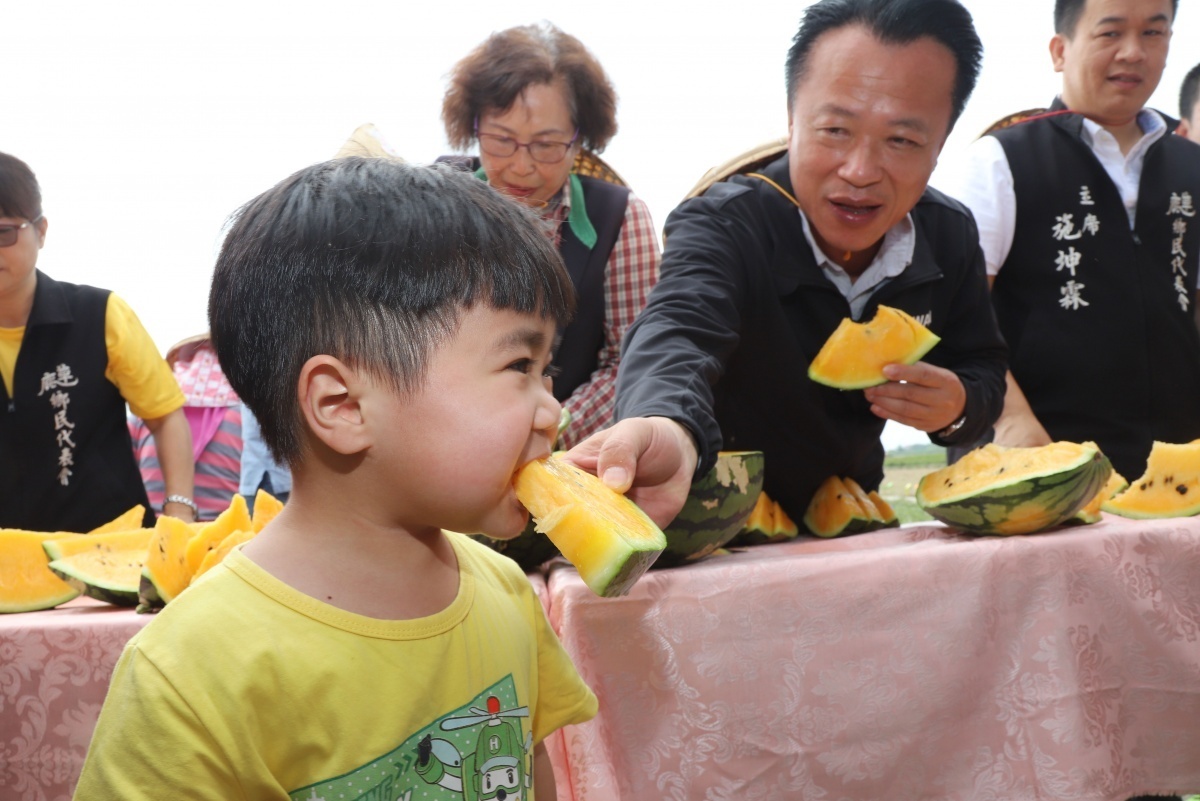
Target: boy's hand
x,y
650,459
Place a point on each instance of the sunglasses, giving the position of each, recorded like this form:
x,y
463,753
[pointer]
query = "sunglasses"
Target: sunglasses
x,y
9,233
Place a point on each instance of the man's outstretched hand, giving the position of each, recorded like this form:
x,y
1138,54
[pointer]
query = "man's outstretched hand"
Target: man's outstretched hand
x,y
650,459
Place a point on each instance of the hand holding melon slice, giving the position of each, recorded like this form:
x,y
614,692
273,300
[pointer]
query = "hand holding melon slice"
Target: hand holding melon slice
x,y
855,354
605,535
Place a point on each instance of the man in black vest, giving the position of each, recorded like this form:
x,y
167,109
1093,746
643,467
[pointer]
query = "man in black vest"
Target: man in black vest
x,y
1189,105
760,269
1087,214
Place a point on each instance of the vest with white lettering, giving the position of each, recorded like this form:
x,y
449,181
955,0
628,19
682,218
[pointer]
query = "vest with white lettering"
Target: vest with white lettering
x,y
1099,318
66,459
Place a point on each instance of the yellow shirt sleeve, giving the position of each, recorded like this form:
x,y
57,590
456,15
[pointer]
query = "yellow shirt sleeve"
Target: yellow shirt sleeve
x,y
135,366
10,346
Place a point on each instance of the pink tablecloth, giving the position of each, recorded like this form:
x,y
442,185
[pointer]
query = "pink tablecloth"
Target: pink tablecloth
x,y
903,664
54,672
897,665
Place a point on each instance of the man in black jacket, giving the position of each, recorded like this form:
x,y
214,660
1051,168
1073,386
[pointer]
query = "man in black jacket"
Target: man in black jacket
x,y
760,270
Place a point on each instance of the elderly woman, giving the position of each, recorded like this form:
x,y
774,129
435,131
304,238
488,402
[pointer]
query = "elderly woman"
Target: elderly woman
x,y
532,97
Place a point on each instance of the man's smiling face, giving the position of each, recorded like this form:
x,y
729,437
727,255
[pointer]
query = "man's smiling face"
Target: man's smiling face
x,y
1113,60
868,122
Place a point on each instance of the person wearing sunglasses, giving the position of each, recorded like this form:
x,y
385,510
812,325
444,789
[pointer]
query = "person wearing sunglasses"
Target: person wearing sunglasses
x,y
531,98
71,358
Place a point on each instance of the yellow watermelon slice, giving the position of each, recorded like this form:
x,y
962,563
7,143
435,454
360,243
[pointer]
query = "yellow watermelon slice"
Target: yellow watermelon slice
x,y
604,534
1170,487
855,354
26,581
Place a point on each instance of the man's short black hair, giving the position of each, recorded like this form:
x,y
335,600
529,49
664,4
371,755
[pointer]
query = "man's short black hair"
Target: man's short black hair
x,y
20,195
894,22
371,261
1068,12
1189,93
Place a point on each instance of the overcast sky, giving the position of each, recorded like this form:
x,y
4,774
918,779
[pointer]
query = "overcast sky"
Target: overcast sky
x,y
148,122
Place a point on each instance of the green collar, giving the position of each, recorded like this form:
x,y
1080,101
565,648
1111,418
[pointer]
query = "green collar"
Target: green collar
x,y
577,218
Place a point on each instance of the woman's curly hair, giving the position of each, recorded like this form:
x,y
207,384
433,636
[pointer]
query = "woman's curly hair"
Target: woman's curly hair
x,y
493,75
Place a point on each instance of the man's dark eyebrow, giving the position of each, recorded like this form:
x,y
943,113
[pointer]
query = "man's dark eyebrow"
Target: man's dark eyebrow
x,y
903,122
1116,20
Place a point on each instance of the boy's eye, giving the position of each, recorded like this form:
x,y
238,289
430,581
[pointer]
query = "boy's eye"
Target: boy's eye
x,y
521,365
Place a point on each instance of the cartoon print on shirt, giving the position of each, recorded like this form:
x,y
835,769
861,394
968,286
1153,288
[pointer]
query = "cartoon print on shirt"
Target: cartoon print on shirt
x,y
480,751
497,769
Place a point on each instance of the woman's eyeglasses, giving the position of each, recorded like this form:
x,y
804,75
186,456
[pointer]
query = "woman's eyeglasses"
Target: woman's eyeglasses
x,y
9,233
542,151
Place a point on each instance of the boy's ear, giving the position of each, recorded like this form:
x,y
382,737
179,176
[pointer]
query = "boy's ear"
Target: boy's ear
x,y
330,393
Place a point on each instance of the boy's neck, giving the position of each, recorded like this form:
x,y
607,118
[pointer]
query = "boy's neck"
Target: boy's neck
x,y
348,561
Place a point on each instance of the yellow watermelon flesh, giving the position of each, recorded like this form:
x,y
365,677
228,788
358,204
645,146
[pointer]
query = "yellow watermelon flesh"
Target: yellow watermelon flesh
x,y
998,490
129,520
835,510
166,572
609,540
109,576
26,581
235,518
855,354
134,539
1170,487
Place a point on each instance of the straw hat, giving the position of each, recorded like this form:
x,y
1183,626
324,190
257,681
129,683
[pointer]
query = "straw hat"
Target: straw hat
x,y
748,161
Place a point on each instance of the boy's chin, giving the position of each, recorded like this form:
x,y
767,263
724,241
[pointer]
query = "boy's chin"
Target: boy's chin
x,y
509,529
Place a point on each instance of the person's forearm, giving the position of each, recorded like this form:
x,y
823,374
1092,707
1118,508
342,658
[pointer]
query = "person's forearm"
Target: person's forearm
x,y
1018,426
543,774
173,441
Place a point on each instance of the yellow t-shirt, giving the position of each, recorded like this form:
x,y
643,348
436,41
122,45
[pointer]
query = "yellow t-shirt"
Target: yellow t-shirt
x,y
244,688
135,366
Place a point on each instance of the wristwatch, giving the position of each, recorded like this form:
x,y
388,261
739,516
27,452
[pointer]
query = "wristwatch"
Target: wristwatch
x,y
953,427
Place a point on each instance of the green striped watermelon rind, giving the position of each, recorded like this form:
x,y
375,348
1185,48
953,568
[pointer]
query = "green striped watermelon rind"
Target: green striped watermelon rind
x,y
94,587
717,507
1061,494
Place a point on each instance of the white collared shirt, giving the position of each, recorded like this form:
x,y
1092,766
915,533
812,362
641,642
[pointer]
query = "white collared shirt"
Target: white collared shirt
x,y
984,182
894,256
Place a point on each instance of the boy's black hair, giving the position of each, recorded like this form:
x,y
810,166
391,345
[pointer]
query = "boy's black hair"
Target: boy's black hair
x,y
1068,12
371,261
1189,93
898,22
20,195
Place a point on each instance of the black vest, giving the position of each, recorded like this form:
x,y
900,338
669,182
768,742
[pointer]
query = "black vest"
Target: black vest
x,y
66,459
1098,317
577,353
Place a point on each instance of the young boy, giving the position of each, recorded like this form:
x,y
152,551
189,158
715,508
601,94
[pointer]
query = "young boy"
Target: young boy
x,y
390,326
